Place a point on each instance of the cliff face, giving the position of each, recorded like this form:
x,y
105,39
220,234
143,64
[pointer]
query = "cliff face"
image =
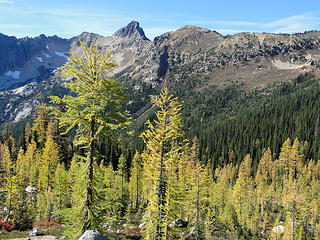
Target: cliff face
x,y
26,59
190,56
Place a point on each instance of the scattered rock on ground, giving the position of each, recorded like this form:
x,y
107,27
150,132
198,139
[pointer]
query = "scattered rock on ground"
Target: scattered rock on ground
x,y
30,189
107,227
278,229
92,235
34,232
47,237
142,225
178,223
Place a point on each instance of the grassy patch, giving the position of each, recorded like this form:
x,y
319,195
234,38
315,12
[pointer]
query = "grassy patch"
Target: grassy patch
x,y
13,234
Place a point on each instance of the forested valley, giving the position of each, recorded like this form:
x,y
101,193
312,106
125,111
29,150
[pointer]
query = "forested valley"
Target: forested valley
x,y
248,169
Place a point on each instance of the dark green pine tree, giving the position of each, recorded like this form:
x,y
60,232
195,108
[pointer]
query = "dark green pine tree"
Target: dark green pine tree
x,y
95,111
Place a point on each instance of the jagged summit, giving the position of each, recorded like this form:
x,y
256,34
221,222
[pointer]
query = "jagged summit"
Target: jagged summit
x,y
133,29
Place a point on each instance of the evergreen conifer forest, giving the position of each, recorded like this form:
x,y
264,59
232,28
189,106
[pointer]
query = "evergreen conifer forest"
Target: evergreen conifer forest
x,y
249,172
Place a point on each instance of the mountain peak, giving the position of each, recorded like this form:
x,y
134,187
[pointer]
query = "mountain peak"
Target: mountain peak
x,y
86,35
133,29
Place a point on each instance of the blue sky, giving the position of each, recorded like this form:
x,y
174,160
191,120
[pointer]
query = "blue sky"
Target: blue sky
x,y
69,17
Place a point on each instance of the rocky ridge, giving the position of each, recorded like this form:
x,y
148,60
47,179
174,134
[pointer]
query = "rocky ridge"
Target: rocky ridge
x,y
189,56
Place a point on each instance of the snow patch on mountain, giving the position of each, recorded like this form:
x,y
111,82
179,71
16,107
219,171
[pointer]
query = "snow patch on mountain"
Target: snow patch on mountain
x,y
61,54
40,59
47,55
14,74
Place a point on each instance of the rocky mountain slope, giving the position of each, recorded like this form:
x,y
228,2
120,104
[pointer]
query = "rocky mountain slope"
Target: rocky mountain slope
x,y
191,60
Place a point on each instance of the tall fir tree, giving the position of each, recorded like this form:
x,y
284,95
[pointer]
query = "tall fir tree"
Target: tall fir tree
x,y
242,191
121,175
95,110
48,164
60,187
161,139
135,182
263,181
10,183
40,125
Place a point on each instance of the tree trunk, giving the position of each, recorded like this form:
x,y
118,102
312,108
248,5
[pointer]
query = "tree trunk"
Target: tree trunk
x,y
89,191
137,191
158,233
197,212
122,187
60,201
168,204
293,217
10,198
47,190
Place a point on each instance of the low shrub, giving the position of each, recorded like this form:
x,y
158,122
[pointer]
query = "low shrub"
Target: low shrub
x,y
6,225
45,224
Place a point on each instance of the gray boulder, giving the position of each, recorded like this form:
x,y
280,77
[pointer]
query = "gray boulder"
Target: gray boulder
x,y
178,223
30,189
92,235
34,232
142,225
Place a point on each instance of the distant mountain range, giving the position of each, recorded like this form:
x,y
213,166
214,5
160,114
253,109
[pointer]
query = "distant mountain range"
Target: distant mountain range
x,y
191,59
